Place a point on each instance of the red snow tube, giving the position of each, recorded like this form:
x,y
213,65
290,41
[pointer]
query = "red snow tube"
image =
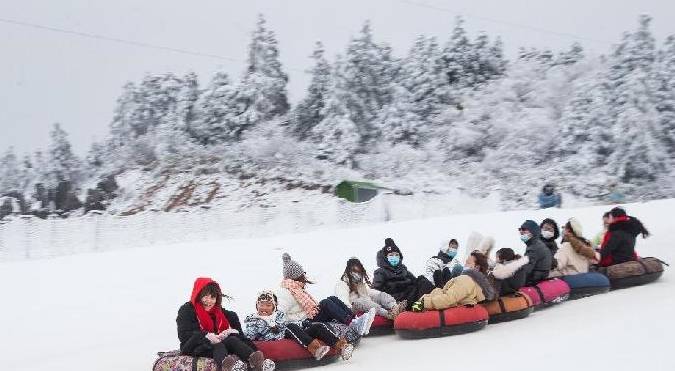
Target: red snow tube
x,y
547,292
434,323
381,326
285,353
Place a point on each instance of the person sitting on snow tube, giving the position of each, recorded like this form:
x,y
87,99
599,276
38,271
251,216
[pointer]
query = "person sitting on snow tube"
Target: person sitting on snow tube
x,y
540,258
618,244
299,305
549,233
269,324
354,289
509,273
576,253
205,329
597,240
393,277
441,268
469,288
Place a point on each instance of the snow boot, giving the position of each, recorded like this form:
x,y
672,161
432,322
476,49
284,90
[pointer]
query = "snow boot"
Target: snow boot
x,y
344,348
259,363
232,363
318,349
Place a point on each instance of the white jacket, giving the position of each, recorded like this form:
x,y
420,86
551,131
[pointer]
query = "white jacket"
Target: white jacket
x,y
569,262
363,291
435,264
287,304
502,271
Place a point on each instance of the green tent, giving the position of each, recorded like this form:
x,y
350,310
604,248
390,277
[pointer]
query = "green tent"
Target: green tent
x,y
357,191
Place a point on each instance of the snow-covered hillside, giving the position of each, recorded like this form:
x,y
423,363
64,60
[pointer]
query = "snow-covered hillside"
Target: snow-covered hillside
x,y
114,310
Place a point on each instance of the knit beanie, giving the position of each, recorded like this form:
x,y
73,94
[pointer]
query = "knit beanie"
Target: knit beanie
x,y
390,246
292,269
531,226
576,227
266,296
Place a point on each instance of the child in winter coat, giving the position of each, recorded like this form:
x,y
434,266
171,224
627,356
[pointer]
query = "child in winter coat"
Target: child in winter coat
x,y
299,305
205,329
269,324
509,272
393,277
470,288
441,268
576,253
354,289
540,258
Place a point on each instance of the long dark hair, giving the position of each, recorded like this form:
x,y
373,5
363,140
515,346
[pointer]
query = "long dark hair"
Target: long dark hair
x,y
351,264
481,261
213,289
568,226
506,254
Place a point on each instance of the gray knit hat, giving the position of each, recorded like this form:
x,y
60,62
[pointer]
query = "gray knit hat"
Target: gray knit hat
x,y
292,269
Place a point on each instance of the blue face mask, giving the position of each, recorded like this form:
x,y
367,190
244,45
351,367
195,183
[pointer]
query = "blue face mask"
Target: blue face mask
x,y
393,260
525,237
451,253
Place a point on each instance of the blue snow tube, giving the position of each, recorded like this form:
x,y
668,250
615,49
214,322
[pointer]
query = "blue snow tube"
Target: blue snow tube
x,y
586,284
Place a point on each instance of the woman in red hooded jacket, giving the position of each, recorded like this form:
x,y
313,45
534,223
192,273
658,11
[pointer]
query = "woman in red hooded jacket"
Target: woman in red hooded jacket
x,y
205,329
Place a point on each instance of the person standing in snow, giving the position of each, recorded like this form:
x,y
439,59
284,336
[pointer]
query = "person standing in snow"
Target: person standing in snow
x,y
509,273
300,306
269,324
442,267
205,329
618,244
549,198
549,233
393,277
469,288
354,289
539,256
576,253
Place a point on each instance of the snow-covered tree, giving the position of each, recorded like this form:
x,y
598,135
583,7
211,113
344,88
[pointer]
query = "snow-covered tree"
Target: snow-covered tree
x,y
308,113
665,94
63,164
10,175
336,136
398,123
217,112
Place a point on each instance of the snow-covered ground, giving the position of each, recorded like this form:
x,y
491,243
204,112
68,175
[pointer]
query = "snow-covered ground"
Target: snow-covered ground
x,y
113,310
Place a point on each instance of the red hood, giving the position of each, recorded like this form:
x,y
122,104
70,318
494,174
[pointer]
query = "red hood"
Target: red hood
x,y
200,283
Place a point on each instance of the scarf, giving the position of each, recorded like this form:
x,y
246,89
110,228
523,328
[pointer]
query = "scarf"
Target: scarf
x,y
306,301
205,317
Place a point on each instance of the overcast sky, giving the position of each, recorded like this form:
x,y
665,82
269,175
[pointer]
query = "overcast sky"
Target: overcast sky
x,y
48,77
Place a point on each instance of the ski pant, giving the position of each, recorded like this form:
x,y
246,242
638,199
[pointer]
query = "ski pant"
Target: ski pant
x,y
381,301
231,345
315,330
331,309
421,287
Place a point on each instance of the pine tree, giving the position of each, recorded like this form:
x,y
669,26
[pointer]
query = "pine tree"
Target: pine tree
x,y
262,92
422,75
10,176
665,94
217,120
366,75
308,112
572,56
456,56
64,165
398,121
336,136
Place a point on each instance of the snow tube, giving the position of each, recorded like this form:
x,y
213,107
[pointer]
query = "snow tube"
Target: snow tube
x,y
435,323
547,292
633,273
381,326
586,284
508,308
285,353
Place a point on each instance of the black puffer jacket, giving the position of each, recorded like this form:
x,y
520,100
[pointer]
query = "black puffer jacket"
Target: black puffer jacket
x,y
620,246
539,266
193,339
395,281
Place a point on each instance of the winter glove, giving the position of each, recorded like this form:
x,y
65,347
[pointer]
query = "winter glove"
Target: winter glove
x,y
417,306
213,338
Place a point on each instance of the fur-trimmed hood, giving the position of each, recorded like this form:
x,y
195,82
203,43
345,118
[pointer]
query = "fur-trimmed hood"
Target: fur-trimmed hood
x,y
506,270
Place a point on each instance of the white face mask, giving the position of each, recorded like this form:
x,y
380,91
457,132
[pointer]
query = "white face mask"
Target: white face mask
x,y
547,234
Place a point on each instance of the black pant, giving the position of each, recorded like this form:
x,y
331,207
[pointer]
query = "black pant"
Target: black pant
x,y
231,345
305,336
331,309
421,286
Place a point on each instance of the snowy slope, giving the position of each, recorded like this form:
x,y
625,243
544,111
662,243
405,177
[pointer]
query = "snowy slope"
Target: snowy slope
x,y
114,310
